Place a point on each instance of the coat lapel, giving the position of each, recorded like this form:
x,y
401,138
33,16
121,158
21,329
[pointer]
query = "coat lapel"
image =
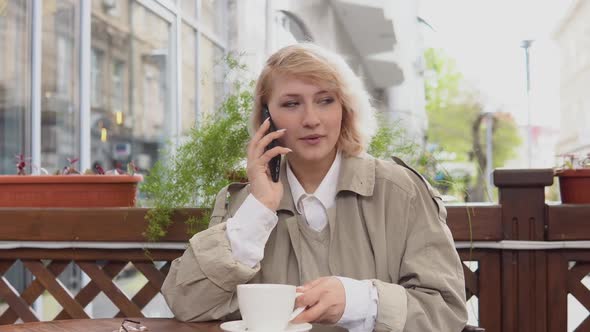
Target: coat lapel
x,y
294,235
287,208
333,264
348,235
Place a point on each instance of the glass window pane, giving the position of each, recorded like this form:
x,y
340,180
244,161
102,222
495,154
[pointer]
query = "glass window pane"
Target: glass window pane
x,y
212,14
96,72
211,80
130,97
189,75
189,7
59,98
15,23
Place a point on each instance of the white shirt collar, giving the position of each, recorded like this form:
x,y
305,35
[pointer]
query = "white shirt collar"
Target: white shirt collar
x,y
326,191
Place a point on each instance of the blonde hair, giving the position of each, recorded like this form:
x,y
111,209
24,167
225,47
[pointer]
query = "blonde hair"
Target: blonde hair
x,y
313,63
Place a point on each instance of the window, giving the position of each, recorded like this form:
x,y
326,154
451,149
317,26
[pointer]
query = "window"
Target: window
x,y
189,78
3,33
293,25
118,89
59,103
211,80
64,65
130,97
212,12
14,82
289,29
131,68
189,7
96,60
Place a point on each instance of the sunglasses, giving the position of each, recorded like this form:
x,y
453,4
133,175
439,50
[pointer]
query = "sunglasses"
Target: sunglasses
x,y
129,325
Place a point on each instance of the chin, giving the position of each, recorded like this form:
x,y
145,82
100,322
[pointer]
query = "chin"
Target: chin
x,y
310,155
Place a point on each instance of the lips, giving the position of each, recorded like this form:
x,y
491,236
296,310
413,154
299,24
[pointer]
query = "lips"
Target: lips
x,y
312,139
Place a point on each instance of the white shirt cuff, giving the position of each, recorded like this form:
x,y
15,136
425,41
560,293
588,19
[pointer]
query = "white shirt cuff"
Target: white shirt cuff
x,y
249,229
362,299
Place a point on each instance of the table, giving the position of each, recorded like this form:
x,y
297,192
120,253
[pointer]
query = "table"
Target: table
x,y
111,324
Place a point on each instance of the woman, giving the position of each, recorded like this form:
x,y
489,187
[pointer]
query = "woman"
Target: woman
x,y
366,238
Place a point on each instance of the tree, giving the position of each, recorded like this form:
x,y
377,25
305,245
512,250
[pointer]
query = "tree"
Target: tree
x,y
453,111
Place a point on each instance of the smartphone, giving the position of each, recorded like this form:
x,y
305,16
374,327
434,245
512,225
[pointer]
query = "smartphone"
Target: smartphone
x,y
274,165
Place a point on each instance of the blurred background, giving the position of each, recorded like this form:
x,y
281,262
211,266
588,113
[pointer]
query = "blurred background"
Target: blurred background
x,y
472,85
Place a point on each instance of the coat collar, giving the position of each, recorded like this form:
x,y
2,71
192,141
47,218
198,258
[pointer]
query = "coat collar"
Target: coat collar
x,y
357,174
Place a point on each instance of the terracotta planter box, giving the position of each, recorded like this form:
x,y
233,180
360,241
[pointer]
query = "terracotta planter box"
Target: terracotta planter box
x,y
68,190
574,186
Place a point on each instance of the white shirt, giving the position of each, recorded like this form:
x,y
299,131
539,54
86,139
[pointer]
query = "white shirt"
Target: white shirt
x,y
252,224
314,206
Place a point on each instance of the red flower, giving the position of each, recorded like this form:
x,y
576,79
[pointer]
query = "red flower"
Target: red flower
x,y
99,169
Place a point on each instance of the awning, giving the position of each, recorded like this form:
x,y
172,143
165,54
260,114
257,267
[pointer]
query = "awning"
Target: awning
x,y
383,70
365,23
373,37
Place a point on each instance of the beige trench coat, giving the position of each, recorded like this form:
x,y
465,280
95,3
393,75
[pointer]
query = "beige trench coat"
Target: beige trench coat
x,y
389,227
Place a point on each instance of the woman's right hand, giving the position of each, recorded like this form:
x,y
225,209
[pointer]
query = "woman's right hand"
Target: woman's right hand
x,y
262,187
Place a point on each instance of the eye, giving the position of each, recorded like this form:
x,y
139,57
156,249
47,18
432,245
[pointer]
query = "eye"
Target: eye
x,y
290,104
327,100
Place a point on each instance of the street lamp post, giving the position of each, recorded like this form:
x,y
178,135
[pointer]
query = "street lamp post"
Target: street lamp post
x,y
526,44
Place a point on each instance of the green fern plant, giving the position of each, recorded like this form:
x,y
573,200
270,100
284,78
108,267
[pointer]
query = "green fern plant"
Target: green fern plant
x,y
210,156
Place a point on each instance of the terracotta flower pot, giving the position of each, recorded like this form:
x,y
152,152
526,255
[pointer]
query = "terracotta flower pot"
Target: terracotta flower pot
x,y
574,186
68,190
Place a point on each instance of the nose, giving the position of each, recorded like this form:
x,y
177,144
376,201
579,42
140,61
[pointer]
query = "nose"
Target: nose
x,y
310,116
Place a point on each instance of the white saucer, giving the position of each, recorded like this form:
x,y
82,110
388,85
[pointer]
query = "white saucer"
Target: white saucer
x,y
240,326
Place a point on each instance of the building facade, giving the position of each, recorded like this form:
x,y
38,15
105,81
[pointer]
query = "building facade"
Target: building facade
x,y
109,81
106,81
573,38
381,40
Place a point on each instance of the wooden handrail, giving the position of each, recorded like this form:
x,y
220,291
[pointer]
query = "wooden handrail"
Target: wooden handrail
x,y
473,222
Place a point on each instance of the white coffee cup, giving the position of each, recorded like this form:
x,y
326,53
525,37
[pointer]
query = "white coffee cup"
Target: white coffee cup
x,y
267,307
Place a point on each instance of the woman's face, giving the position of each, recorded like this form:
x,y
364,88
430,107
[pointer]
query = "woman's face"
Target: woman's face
x,y
312,115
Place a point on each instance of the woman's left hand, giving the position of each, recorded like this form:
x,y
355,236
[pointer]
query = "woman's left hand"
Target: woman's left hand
x,y
325,300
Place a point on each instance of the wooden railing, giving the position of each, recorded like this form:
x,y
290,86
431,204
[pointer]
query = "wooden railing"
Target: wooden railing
x,y
79,236
520,286
477,223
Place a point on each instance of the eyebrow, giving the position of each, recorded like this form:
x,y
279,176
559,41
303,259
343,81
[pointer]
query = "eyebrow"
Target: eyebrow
x,y
298,95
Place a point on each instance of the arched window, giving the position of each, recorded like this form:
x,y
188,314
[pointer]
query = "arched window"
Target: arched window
x,y
290,29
